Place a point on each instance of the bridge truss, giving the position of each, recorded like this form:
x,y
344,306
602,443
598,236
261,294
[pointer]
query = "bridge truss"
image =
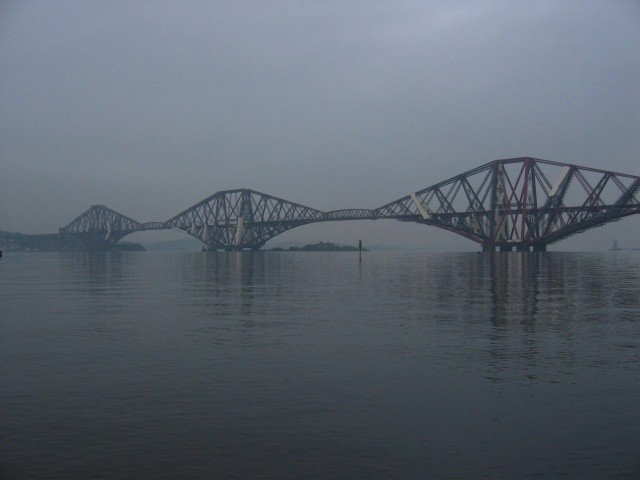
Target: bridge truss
x,y
523,203
99,227
241,219
245,219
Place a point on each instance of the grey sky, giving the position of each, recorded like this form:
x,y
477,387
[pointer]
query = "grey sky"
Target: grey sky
x,y
148,107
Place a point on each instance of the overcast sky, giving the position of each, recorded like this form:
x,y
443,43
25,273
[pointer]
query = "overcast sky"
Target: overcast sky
x,y
150,106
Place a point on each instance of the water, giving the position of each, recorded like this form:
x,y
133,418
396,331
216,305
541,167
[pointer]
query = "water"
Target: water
x,y
313,365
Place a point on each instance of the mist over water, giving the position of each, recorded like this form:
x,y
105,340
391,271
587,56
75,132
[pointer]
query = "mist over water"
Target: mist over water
x,y
316,365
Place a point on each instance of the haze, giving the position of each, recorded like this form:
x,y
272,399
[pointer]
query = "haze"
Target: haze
x,y
149,107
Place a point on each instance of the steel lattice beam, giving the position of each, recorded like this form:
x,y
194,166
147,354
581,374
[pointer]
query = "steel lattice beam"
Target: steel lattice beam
x,y
99,227
512,203
246,219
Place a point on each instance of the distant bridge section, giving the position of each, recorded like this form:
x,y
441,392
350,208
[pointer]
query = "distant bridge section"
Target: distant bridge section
x,y
99,227
518,203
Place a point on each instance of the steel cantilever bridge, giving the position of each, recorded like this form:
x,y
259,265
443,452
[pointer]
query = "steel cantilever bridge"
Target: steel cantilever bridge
x,y
518,203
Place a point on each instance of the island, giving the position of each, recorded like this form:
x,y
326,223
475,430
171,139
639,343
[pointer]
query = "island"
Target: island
x,y
319,247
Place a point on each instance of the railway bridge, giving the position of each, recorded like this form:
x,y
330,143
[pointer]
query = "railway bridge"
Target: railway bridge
x,y
518,203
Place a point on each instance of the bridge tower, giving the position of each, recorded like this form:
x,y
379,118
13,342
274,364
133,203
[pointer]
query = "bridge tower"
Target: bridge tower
x,y
99,227
243,219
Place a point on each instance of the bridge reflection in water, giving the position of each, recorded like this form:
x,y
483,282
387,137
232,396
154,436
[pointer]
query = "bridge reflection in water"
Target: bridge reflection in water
x,y
518,203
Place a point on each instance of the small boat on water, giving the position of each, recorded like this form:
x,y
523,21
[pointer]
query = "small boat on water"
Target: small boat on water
x,y
615,246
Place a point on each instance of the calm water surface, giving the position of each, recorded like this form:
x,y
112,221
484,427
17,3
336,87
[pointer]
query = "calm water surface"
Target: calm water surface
x,y
313,365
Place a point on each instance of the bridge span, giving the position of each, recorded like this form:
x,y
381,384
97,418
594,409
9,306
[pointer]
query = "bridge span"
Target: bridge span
x,y
518,203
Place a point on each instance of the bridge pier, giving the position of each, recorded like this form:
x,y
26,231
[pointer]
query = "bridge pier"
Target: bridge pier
x,y
237,248
519,248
